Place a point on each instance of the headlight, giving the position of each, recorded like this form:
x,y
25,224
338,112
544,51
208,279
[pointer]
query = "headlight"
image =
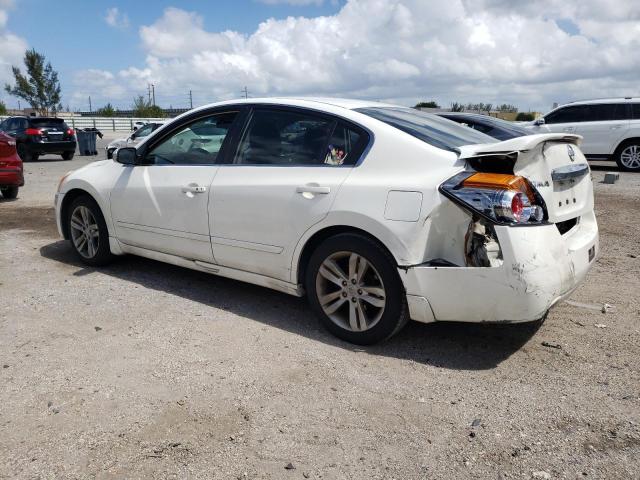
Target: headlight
x,y
500,198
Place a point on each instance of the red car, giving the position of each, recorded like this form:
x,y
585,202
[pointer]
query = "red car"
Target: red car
x,y
11,177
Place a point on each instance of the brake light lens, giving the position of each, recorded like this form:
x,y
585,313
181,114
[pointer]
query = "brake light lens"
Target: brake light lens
x,y
501,198
33,131
70,132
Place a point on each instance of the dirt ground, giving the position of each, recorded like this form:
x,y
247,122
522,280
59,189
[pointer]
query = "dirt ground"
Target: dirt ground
x,y
146,370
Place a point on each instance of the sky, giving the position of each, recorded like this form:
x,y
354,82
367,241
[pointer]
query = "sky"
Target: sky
x,y
522,52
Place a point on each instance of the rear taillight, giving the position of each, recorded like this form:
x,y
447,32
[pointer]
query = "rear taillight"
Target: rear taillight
x,y
33,131
501,198
70,132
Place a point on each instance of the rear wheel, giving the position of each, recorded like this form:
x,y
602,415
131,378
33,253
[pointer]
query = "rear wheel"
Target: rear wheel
x,y
88,232
68,155
24,154
628,156
9,192
353,285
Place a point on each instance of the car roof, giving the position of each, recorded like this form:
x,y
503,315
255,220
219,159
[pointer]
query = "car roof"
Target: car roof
x,y
605,100
349,104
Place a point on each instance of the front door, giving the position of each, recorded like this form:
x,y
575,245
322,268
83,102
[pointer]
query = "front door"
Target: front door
x,y
286,172
162,204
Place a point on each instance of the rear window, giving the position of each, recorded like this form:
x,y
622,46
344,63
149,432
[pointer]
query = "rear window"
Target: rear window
x,y
47,122
431,129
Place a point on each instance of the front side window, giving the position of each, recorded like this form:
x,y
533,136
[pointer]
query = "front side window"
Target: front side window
x,y
566,115
143,131
195,144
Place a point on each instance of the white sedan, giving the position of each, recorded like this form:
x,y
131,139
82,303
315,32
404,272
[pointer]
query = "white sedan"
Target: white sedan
x,y
378,213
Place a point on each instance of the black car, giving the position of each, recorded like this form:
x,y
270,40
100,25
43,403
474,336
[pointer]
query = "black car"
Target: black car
x,y
37,136
494,127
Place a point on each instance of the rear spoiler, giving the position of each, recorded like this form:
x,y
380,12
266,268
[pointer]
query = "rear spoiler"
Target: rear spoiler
x,y
515,145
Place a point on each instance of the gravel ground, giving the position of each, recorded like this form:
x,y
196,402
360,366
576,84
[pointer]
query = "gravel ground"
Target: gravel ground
x,y
146,370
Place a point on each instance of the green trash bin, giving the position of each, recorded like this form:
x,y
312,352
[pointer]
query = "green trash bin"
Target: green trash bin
x,y
87,141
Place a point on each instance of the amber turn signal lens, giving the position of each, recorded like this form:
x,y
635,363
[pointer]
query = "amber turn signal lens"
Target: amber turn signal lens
x,y
500,181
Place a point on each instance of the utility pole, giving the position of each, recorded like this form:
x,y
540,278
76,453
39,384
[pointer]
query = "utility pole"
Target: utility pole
x,y
153,94
149,92
90,110
246,92
191,99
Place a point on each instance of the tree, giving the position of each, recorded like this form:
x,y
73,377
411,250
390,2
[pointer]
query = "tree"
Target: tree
x,y
430,104
3,108
457,107
40,86
525,117
144,108
106,111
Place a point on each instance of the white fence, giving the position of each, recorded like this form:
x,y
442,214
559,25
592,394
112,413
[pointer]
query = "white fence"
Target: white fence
x,y
106,123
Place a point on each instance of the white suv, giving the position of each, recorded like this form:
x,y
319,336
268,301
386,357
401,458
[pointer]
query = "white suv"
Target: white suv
x,y
610,127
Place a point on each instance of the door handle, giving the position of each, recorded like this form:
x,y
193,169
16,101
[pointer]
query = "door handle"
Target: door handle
x,y
614,127
194,188
314,189
569,129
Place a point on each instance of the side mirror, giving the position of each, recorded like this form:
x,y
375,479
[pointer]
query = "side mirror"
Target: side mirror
x,y
126,156
539,121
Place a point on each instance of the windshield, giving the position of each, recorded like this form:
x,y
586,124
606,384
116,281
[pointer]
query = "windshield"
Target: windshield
x,y
427,127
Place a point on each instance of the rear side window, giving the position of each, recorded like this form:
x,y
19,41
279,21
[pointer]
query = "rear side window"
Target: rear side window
x,y
295,138
603,112
635,111
431,129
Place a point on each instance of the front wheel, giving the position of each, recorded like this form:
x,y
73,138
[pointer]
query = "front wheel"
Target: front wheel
x,y
68,155
628,157
9,192
88,232
353,285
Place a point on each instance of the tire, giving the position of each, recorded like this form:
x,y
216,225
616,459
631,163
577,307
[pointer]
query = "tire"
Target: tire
x,y
372,309
68,155
24,155
86,216
9,192
627,156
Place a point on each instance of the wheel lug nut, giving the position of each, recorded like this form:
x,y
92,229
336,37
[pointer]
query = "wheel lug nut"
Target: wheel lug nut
x,y
359,292
344,283
353,280
353,299
344,294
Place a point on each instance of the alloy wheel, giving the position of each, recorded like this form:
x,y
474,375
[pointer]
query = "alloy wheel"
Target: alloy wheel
x,y
630,157
85,232
350,291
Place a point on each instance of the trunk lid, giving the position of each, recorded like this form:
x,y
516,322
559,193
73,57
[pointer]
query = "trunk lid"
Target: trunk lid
x,y
53,129
553,164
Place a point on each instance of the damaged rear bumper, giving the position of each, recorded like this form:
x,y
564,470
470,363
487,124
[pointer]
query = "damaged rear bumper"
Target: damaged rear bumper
x,y
540,267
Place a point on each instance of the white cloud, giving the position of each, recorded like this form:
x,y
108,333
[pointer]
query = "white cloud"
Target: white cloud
x,y
402,50
12,47
116,19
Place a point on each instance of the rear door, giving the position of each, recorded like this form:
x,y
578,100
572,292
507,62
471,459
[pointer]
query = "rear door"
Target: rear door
x,y
286,171
162,205
602,126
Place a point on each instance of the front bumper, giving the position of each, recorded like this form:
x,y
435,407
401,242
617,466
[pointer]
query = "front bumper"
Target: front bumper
x,y
540,268
11,177
57,203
